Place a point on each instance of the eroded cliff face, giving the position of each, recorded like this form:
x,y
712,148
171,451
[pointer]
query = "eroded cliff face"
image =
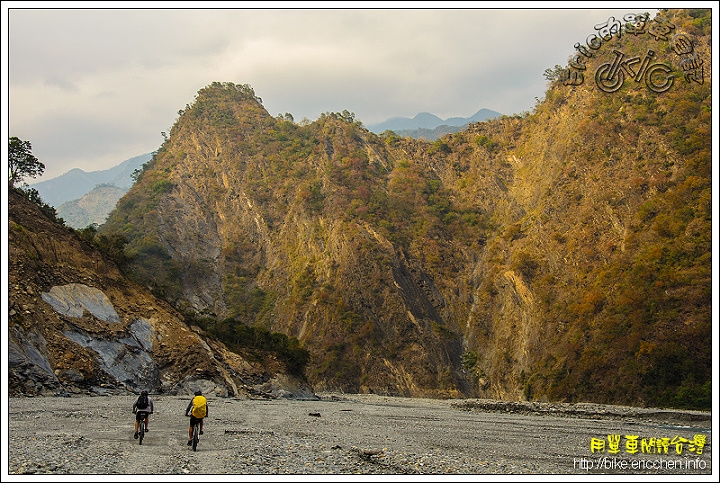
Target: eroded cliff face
x,y
255,215
77,325
557,255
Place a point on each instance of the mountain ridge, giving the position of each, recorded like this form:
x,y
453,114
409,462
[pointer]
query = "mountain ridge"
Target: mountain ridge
x,y
92,208
426,120
77,325
76,183
558,255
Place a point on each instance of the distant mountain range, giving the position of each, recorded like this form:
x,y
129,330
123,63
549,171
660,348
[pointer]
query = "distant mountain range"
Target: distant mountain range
x,y
93,208
76,183
66,191
81,198
429,125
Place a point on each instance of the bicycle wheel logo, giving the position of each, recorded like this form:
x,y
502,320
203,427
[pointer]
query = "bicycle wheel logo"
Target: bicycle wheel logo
x,y
610,76
657,76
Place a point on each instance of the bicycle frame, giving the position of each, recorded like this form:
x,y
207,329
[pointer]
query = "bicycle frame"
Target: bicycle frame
x,y
141,430
141,424
196,436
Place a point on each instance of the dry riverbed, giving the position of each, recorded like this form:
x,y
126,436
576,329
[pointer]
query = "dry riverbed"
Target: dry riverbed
x,y
345,434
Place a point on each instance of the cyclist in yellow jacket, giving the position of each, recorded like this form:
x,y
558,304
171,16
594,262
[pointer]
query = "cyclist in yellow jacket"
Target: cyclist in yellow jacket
x,y
198,411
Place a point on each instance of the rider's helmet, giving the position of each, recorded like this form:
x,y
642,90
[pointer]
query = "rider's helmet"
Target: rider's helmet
x,y
198,392
144,393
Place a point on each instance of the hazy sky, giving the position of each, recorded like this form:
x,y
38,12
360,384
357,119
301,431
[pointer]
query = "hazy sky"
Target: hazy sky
x,y
92,87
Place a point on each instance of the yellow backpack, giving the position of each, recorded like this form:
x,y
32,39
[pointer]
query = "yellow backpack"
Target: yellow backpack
x,y
199,409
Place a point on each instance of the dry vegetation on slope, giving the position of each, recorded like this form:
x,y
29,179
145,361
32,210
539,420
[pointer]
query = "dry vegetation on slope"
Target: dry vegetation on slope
x,y
559,255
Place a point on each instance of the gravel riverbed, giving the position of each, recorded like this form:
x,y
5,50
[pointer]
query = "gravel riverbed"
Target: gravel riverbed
x,y
342,434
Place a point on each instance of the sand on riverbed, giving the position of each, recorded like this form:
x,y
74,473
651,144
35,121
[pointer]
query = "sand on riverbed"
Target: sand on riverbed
x,y
342,434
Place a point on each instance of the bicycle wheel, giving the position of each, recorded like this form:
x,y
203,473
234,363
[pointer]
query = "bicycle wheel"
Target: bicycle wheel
x,y
659,83
141,431
606,84
196,437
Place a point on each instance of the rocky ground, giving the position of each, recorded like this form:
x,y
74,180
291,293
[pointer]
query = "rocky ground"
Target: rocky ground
x,y
350,434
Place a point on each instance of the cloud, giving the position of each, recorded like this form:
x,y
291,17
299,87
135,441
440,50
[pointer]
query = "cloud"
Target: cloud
x,y
120,75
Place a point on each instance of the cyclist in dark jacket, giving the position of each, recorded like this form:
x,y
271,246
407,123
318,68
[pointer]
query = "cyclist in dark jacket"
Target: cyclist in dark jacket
x,y
143,411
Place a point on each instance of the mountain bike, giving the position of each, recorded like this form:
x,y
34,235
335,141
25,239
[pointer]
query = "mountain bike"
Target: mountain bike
x,y
195,435
141,427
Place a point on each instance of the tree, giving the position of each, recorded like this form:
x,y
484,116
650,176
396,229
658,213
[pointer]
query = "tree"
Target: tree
x,y
555,73
21,160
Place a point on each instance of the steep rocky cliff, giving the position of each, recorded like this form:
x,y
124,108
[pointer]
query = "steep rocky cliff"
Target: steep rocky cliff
x,y
562,254
77,325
